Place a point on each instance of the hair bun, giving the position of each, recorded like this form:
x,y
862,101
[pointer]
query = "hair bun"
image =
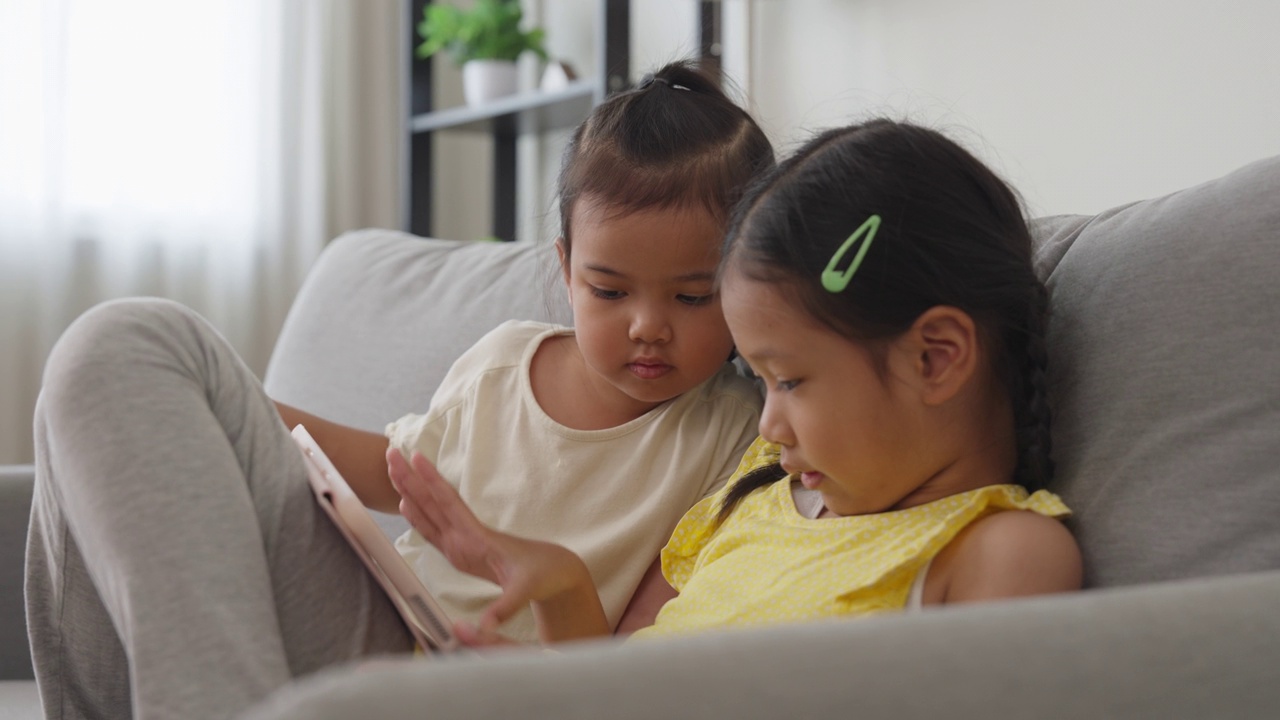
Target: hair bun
x,y
650,79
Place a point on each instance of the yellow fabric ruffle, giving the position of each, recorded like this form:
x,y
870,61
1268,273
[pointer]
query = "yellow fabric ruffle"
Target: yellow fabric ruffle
x,y
767,563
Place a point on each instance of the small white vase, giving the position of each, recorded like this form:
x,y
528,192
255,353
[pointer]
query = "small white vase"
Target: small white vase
x,y
486,80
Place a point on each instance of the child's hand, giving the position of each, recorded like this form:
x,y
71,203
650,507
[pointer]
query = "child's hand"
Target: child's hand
x,y
474,637
548,575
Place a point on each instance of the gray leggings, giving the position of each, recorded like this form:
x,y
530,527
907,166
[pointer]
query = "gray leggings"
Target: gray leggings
x,y
177,564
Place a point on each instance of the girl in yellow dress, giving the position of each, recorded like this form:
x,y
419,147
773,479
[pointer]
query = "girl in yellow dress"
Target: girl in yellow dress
x,y
880,284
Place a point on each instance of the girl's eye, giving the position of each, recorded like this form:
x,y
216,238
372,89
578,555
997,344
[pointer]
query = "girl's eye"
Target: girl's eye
x,y
606,294
695,299
786,385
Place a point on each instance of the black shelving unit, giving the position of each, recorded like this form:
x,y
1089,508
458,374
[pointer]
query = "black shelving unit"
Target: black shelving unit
x,y
507,119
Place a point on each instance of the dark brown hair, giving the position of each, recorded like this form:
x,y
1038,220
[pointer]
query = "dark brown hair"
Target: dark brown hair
x,y
952,233
674,141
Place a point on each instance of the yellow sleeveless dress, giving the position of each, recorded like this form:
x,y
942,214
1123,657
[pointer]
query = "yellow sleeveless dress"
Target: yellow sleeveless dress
x,y
767,563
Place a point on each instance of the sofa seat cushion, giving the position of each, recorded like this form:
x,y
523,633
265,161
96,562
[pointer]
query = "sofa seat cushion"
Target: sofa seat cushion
x,y
1164,352
20,700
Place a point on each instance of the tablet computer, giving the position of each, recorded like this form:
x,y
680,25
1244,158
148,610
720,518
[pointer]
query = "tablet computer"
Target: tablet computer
x,y
421,612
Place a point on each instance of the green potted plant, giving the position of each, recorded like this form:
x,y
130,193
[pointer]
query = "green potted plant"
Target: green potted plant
x,y
485,40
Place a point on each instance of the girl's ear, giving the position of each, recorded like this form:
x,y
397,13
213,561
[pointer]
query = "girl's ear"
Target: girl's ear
x,y
943,345
563,255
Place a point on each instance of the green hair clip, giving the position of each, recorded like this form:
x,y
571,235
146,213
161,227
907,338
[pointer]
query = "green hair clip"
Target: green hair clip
x,y
834,280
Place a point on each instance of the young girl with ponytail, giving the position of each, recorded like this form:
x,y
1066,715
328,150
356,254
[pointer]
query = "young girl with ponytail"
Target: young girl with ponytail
x,y
880,284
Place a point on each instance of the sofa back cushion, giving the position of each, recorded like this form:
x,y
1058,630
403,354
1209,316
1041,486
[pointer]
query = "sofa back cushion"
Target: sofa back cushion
x,y
383,314
1164,374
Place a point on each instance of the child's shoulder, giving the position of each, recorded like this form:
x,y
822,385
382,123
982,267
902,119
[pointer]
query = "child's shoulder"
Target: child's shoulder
x,y
517,332
507,343
1011,553
503,350
728,384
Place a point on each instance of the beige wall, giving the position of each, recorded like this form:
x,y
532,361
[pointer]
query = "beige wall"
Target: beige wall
x,y
1082,105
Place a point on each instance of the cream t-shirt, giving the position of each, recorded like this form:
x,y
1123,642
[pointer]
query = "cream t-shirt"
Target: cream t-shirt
x,y
612,496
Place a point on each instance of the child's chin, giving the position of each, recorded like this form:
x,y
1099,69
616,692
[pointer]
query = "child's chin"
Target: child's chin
x,y
659,391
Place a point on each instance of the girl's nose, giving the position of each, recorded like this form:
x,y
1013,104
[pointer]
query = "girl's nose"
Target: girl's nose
x,y
650,326
773,425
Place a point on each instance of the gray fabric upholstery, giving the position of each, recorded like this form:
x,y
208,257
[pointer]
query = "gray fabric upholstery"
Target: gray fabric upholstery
x,y
15,512
1195,649
19,700
1164,354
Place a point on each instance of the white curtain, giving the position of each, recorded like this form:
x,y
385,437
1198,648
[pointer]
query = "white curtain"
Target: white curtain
x,y
203,152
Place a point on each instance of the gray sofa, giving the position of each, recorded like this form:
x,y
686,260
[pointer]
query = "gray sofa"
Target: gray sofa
x,y
1166,388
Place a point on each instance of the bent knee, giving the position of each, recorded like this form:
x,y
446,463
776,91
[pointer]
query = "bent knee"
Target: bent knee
x,y
125,331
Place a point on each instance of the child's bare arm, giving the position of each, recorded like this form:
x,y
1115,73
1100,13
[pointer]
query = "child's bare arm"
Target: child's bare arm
x,y
653,592
1008,554
359,455
552,578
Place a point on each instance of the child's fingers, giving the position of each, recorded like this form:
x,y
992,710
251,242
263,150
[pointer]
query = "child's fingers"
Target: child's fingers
x,y
398,470
472,636
444,494
435,510
416,487
442,504
510,602
419,521
411,505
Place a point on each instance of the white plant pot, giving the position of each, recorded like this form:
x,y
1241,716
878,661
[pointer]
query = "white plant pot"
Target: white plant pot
x,y
486,80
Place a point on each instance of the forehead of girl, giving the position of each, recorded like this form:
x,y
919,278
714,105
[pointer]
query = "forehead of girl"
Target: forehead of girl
x,y
674,242
765,320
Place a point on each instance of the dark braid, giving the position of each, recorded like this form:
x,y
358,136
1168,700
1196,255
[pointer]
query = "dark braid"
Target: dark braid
x,y
747,484
1032,416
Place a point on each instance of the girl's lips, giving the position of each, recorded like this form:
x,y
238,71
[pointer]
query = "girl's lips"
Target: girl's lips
x,y
649,371
811,479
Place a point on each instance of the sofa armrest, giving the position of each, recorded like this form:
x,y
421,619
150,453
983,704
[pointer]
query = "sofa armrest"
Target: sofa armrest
x,y
16,483
1201,648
